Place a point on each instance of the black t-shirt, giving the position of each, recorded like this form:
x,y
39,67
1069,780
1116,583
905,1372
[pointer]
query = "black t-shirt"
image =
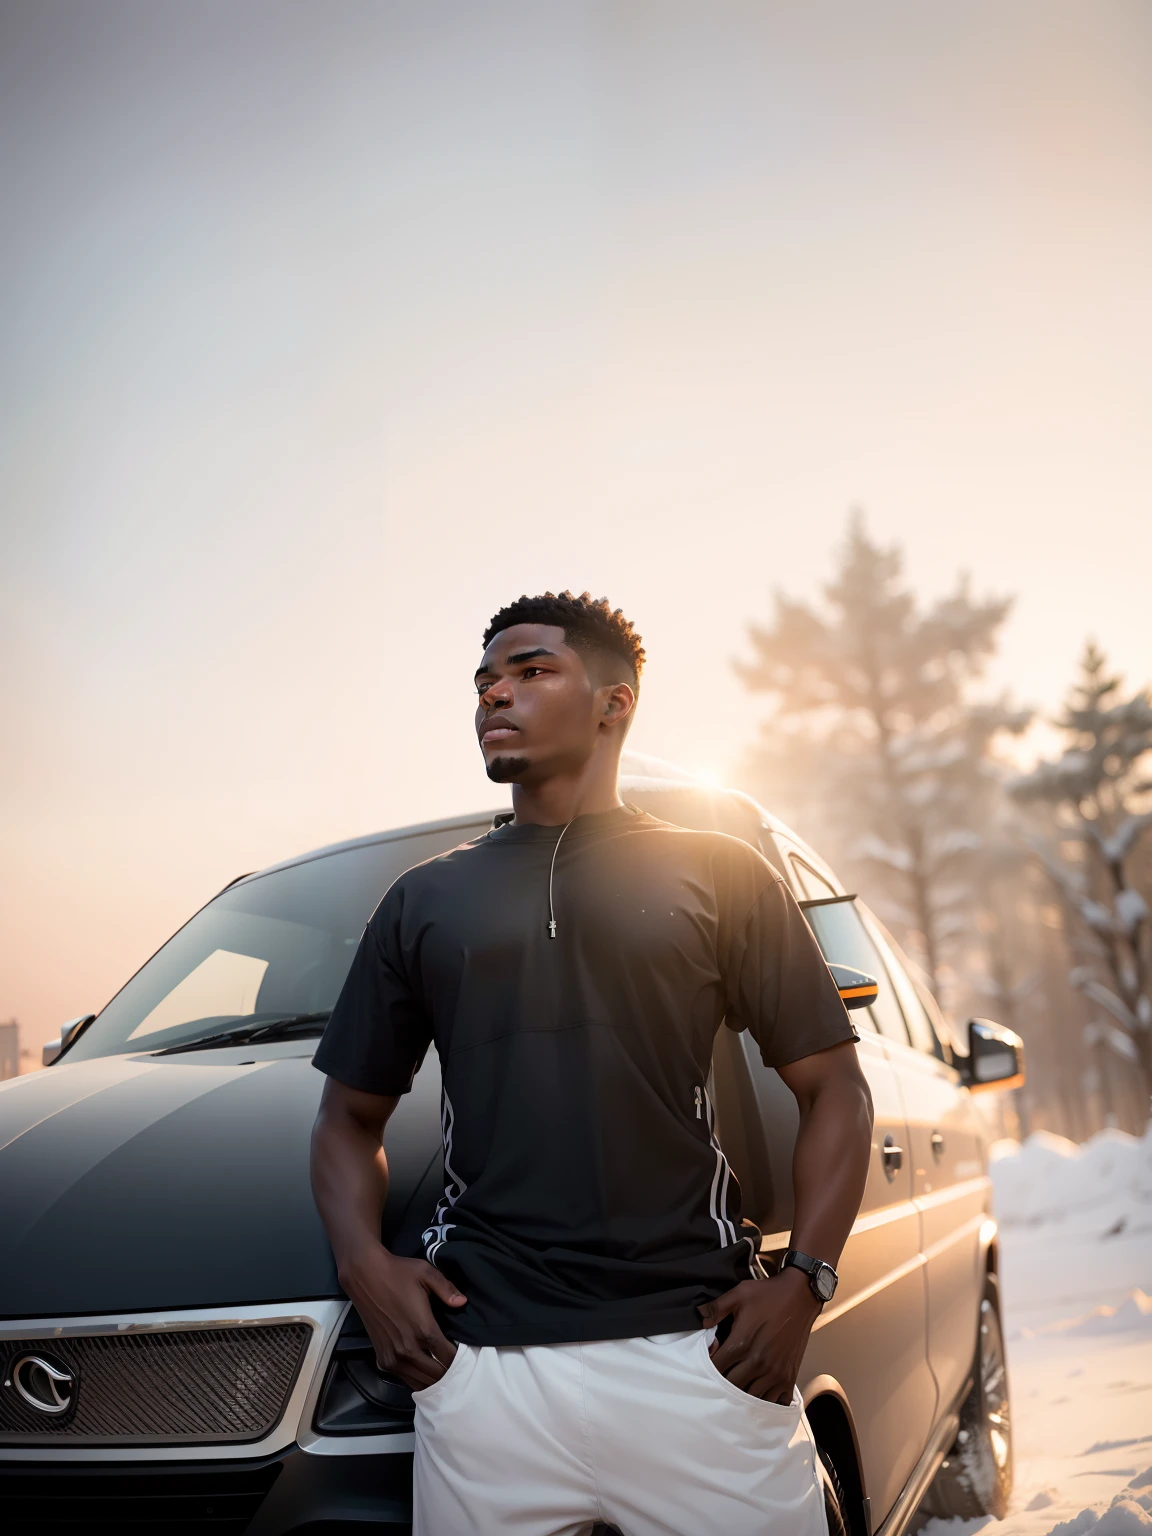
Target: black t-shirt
x,y
586,1194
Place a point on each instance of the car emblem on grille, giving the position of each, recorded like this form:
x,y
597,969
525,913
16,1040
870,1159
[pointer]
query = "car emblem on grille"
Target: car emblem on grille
x,y
44,1382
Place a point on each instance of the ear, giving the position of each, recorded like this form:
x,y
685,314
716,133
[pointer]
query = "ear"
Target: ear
x,y
616,703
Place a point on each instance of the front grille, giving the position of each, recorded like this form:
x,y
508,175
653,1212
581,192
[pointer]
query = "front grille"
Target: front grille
x,y
178,1387
195,1501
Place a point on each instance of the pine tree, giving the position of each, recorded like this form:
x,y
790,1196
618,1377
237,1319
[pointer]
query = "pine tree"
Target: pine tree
x,y
873,739
1098,793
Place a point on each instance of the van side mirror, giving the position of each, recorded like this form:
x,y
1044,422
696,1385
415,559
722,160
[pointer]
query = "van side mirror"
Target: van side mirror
x,y
53,1049
995,1057
857,989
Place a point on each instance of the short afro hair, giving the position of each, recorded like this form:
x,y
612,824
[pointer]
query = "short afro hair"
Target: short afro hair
x,y
589,624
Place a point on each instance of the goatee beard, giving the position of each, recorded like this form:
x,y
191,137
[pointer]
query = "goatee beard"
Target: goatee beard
x,y
504,770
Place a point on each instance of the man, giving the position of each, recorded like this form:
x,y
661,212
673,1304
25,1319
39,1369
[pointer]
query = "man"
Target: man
x,y
572,968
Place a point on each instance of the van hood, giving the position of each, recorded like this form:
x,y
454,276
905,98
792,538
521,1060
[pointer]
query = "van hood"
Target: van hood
x,y
137,1183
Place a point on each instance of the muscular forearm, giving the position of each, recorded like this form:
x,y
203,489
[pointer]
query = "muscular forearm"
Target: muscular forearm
x,y
350,1185
772,1319
392,1295
830,1165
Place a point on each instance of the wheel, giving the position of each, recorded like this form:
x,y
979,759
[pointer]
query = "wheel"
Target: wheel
x,y
975,1477
835,1499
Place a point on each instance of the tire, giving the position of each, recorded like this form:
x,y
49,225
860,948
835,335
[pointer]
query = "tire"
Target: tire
x,y
975,1477
835,1499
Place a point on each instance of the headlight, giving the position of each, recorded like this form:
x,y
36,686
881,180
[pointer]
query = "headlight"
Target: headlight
x,y
356,1398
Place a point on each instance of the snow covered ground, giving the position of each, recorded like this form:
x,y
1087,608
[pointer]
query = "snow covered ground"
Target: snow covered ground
x,y
1076,1268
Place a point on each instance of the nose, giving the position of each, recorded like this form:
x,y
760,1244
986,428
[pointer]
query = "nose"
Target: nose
x,y
497,695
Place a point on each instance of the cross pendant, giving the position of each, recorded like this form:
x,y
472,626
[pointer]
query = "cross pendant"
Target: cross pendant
x,y
552,928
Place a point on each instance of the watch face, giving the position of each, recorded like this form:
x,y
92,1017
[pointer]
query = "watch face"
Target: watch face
x,y
825,1278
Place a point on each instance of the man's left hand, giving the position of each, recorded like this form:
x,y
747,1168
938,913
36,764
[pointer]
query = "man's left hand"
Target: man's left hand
x,y
771,1321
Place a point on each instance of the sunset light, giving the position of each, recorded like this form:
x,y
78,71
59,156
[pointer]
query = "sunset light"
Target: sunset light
x,y
576,800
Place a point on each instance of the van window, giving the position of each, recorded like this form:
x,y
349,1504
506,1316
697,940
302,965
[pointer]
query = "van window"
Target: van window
x,y
844,940
935,1016
919,1024
814,886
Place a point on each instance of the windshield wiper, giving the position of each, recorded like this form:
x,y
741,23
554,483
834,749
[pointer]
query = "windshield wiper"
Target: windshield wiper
x,y
287,1028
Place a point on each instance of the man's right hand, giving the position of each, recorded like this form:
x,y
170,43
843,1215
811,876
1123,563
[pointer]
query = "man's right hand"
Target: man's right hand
x,y
350,1183
392,1297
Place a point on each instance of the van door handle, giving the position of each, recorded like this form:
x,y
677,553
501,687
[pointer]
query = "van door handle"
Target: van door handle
x,y
893,1156
937,1145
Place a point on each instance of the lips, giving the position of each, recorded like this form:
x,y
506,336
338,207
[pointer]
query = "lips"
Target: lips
x,y
494,733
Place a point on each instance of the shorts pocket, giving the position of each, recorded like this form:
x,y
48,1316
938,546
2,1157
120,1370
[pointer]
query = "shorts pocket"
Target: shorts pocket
x,y
457,1370
782,1413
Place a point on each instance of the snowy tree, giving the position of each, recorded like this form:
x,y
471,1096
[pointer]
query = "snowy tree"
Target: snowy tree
x,y
874,741
1098,794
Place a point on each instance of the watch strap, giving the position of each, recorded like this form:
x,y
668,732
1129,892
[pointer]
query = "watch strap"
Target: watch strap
x,y
798,1260
795,1259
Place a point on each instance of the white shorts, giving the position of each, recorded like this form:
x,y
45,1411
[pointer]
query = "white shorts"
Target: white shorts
x,y
643,1434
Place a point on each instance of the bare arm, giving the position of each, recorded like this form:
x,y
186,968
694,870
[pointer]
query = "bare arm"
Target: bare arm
x,y
772,1320
833,1143
350,1184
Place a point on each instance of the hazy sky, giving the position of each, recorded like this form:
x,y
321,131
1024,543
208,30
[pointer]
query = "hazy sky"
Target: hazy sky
x,y
326,329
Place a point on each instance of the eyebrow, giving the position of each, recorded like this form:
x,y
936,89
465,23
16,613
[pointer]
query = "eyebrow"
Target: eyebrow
x,y
541,650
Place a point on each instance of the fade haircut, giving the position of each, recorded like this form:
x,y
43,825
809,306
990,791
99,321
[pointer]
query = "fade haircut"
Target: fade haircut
x,y
590,626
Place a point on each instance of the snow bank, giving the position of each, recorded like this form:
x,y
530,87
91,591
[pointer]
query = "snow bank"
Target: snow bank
x,y
1135,1311
1048,1176
1125,1517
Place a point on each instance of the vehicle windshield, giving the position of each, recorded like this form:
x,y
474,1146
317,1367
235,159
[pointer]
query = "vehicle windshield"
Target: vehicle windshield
x,y
270,948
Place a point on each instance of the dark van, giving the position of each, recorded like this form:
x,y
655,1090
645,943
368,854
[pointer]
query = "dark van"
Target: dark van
x,y
175,1350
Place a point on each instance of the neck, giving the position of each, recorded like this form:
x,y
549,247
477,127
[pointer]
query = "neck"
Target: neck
x,y
558,800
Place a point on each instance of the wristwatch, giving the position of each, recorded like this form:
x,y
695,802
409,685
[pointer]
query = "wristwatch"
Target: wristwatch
x,y
821,1277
